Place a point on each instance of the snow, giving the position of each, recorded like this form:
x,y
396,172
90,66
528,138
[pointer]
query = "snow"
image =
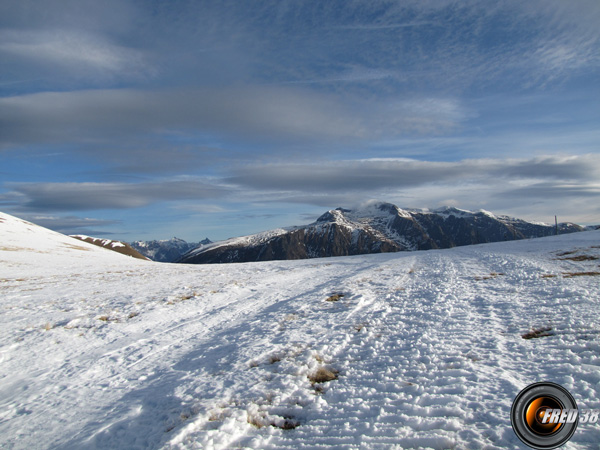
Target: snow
x,y
98,350
254,239
448,211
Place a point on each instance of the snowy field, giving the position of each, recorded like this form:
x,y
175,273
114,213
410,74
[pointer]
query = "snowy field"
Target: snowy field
x,y
422,350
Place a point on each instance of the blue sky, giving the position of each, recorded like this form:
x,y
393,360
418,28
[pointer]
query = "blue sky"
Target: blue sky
x,y
148,119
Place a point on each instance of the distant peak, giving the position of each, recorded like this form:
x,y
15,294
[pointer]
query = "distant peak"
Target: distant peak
x,y
332,215
448,208
376,205
371,209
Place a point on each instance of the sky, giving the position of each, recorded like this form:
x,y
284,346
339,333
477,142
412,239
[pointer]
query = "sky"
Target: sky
x,y
139,119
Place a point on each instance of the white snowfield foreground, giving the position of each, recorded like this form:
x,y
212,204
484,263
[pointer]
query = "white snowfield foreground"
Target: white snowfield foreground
x,y
422,350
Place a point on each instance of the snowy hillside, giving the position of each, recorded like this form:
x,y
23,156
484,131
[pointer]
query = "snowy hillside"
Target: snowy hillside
x,y
25,246
418,350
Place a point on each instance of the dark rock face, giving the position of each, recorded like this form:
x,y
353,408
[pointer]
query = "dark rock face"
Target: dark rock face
x,y
380,228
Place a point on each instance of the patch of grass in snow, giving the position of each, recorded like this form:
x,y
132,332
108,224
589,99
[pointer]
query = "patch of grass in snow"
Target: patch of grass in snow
x,y
323,375
334,297
538,333
216,416
107,318
488,277
580,258
580,274
76,247
172,300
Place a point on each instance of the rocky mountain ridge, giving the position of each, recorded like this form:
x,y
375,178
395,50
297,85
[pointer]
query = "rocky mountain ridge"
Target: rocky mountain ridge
x,y
117,246
375,228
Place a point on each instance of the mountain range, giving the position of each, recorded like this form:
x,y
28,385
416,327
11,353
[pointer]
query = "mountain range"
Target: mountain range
x,y
375,228
168,250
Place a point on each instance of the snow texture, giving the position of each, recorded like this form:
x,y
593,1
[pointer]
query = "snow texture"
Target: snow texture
x,y
418,350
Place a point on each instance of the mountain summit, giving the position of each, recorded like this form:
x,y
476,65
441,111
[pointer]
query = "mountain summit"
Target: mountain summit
x,y
373,228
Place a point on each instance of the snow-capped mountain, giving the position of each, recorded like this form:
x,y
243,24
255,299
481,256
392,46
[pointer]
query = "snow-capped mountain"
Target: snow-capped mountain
x,y
117,246
168,250
375,228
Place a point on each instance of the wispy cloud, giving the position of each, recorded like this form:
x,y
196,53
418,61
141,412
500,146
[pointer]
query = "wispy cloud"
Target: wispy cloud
x,y
389,26
373,174
71,224
262,114
506,185
75,51
226,106
95,196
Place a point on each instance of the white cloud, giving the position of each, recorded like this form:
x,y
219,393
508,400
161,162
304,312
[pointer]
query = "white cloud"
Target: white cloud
x,y
528,187
95,196
73,51
260,113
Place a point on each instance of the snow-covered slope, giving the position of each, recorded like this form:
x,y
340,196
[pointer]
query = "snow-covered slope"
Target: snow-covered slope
x,y
374,228
422,350
24,245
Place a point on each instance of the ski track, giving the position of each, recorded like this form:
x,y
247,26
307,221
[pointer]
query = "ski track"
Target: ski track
x,y
427,349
